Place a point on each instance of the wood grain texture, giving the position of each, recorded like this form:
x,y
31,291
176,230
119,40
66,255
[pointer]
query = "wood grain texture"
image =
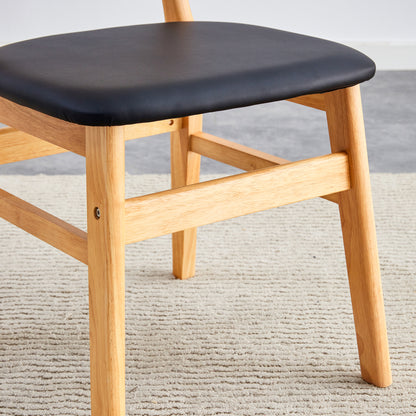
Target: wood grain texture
x,y
346,130
177,10
185,167
44,226
316,101
185,164
137,131
16,146
237,155
58,132
234,154
105,190
204,203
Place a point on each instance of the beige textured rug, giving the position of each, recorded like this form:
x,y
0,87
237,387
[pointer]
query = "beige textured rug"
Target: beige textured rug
x,y
265,328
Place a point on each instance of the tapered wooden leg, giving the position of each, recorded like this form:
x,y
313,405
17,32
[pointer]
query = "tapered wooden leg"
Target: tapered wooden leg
x,y
346,130
185,171
105,204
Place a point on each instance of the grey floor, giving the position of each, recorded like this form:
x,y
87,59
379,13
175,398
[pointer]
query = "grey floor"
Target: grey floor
x,y
283,129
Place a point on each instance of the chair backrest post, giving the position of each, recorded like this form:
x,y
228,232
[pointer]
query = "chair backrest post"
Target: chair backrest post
x,y
177,11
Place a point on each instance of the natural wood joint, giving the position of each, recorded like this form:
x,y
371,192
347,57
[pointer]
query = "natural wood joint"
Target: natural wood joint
x,y
44,226
204,203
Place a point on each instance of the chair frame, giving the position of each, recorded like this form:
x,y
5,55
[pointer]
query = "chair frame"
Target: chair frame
x,y
341,177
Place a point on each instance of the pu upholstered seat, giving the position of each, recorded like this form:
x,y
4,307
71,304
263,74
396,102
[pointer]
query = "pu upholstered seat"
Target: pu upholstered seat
x,y
90,92
145,73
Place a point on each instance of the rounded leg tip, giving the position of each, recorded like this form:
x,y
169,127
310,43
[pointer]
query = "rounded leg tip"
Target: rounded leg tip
x,y
183,276
384,380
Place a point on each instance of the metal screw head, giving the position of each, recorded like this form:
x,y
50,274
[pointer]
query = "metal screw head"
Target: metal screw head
x,y
97,213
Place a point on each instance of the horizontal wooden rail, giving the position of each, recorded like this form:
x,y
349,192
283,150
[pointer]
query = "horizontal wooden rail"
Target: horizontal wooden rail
x,y
137,131
204,203
58,132
237,155
22,141
313,100
44,226
234,154
16,146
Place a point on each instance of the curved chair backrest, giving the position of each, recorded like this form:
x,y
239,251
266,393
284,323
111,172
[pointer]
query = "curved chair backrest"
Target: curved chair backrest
x,y
177,10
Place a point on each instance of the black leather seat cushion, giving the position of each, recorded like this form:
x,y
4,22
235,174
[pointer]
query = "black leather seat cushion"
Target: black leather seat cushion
x,y
145,73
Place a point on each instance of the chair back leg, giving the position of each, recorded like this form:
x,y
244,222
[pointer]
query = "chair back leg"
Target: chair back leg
x,y
185,167
185,164
177,10
346,131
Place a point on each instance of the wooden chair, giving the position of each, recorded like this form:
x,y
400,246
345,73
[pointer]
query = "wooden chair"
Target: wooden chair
x,y
89,92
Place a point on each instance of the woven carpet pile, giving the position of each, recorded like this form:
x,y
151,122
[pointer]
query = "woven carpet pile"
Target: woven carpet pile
x,y
265,327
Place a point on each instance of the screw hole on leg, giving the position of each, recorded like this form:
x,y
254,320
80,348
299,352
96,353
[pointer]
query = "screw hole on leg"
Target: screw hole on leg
x,y
97,213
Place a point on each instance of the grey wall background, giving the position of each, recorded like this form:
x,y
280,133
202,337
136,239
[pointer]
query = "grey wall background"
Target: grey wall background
x,y
384,29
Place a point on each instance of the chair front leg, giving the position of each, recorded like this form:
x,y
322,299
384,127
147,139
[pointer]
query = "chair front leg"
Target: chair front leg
x,y
106,242
185,167
346,131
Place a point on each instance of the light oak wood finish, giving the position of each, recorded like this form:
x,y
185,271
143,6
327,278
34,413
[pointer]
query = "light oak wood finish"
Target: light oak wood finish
x,y
346,130
105,190
237,155
58,132
270,182
316,101
137,131
204,203
177,10
44,226
16,146
185,166
231,153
